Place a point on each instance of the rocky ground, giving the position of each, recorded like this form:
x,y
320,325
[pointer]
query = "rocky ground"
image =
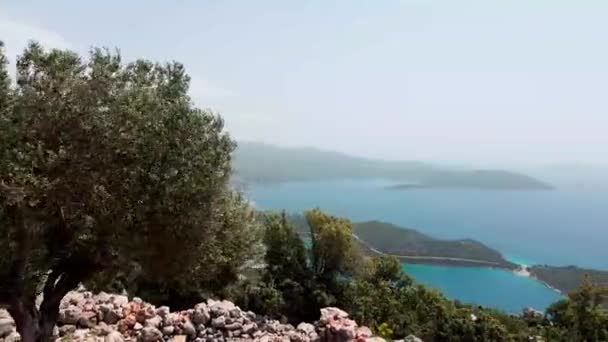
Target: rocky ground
x,y
103,317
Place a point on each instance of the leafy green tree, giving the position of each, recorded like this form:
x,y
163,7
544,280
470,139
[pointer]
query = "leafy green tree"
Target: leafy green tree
x,y
591,317
560,314
288,272
387,268
375,298
581,316
331,243
585,316
233,251
263,298
297,281
102,165
285,255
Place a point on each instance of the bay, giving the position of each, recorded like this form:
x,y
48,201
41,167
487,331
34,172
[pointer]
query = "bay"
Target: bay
x,y
495,288
530,227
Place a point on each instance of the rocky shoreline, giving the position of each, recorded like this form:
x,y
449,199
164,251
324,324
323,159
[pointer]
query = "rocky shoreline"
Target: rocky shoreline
x,y
525,271
104,317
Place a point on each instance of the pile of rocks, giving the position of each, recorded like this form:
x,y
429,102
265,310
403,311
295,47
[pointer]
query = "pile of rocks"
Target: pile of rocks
x,y
335,325
531,313
8,332
85,316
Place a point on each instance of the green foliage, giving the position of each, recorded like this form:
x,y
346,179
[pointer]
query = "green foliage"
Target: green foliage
x,y
232,252
289,274
261,298
331,243
109,166
558,312
385,331
387,269
285,252
297,282
583,314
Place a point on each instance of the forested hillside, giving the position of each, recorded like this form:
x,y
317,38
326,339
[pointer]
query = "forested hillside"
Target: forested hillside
x,y
396,240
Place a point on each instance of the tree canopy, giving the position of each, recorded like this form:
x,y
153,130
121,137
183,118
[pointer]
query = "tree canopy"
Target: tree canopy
x,y
331,242
103,165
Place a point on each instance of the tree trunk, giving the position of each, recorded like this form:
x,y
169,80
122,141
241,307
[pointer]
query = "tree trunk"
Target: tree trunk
x,y
46,324
28,330
34,325
26,321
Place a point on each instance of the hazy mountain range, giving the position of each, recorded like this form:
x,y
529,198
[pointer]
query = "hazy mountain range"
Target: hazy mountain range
x,y
258,162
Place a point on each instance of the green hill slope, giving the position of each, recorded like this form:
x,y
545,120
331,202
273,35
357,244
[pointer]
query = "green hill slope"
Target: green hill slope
x,y
391,239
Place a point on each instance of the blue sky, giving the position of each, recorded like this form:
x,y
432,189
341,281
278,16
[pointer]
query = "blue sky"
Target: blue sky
x,y
484,81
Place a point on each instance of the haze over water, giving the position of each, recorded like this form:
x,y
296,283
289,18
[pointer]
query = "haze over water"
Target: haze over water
x,y
560,227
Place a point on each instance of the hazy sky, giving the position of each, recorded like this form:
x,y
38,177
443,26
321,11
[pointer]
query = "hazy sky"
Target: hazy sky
x,y
482,81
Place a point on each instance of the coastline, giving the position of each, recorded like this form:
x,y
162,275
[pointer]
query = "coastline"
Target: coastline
x,y
518,267
524,271
547,285
508,264
521,270
454,262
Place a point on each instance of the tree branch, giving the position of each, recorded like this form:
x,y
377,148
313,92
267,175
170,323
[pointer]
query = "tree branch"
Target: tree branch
x,y
50,283
54,294
64,277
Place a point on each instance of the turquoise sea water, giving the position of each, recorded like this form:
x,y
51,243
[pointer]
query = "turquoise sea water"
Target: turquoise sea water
x,y
489,287
529,227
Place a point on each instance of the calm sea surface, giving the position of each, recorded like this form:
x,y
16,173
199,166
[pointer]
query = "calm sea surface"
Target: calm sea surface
x,y
529,227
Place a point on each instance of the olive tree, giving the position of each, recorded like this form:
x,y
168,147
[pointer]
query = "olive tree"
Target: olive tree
x,y
102,164
231,253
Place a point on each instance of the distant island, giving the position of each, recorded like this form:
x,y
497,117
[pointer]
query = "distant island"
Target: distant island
x,y
477,179
308,164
